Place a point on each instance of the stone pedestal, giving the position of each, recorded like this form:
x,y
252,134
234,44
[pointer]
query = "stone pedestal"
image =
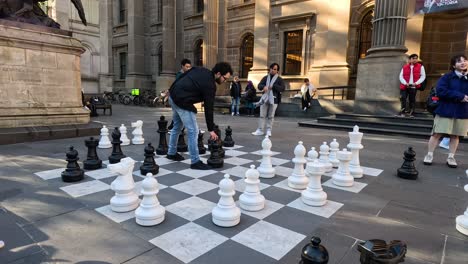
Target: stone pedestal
x,y
40,78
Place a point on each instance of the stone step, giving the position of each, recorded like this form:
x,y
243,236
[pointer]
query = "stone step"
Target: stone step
x,y
418,119
395,125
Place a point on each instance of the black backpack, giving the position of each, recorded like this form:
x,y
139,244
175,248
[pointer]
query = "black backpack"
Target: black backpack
x,y
432,101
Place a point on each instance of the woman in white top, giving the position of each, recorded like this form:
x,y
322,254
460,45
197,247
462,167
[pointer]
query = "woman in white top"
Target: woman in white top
x,y
308,92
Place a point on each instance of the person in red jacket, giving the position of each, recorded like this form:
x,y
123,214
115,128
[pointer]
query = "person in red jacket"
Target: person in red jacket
x,y
412,75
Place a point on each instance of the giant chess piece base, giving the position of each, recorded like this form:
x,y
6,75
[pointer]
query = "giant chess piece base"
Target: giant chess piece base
x,y
462,220
92,164
72,175
226,218
156,216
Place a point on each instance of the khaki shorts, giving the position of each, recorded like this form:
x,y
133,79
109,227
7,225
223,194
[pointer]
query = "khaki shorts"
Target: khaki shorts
x,y
450,126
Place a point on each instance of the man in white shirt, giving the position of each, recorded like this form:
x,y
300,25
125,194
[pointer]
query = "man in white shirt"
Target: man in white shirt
x,y
412,75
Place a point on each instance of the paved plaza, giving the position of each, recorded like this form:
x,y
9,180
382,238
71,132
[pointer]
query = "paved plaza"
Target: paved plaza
x,y
43,220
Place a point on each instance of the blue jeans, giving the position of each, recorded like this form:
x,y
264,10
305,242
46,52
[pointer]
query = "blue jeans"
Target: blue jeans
x,y
235,105
181,118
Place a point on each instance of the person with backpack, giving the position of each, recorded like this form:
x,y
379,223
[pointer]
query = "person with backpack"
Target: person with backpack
x,y
412,75
250,96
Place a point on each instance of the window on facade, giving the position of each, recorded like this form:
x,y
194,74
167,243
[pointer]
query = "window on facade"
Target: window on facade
x,y
160,10
123,64
200,6
122,11
246,55
292,52
160,50
365,35
198,53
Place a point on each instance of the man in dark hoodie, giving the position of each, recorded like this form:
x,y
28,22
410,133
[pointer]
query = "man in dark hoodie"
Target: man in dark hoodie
x,y
195,86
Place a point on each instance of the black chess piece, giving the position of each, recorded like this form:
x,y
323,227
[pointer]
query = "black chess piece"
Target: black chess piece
x,y
408,170
220,141
201,145
228,142
215,160
73,172
181,145
314,253
377,251
162,130
149,164
92,161
117,153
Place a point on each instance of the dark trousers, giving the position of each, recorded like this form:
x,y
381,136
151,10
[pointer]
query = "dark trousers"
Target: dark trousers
x,y
305,100
409,93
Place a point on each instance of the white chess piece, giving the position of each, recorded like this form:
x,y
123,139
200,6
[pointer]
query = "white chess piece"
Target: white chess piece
x,y
342,177
266,169
462,220
123,136
226,213
334,148
150,212
125,198
355,145
312,155
324,159
251,199
138,133
314,195
104,142
298,179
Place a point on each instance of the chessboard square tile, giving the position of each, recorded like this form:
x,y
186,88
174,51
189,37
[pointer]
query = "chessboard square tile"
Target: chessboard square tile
x,y
171,221
59,183
155,255
207,222
175,166
272,181
356,188
325,211
98,199
188,242
196,173
161,172
258,152
169,196
189,161
116,217
231,252
194,186
284,185
371,171
162,160
234,153
276,161
240,185
296,220
213,196
100,173
269,239
84,188
237,171
251,157
191,208
270,208
234,147
238,161
112,178
280,195
283,171
173,179
217,177
50,174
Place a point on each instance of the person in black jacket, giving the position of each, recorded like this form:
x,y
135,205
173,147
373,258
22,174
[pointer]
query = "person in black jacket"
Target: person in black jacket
x,y
272,86
236,90
195,86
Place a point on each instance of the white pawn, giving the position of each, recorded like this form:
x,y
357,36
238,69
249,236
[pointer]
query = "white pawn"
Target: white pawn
x,y
342,177
251,199
298,179
226,213
355,145
324,160
150,212
334,148
314,195
125,198
266,167
462,220
138,133
104,142
312,155
123,136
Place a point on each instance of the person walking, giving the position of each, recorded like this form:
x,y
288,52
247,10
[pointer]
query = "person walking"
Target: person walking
x,y
452,113
195,86
272,85
235,90
307,93
412,75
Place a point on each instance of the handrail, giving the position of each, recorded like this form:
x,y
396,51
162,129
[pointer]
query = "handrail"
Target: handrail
x,y
334,88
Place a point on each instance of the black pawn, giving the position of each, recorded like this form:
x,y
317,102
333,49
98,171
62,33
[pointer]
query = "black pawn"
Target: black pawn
x,y
149,164
117,153
162,130
314,253
92,161
201,145
408,170
215,160
228,142
73,172
181,145
220,141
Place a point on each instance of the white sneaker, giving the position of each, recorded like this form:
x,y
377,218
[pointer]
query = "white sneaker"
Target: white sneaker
x,y
258,132
428,160
269,133
451,162
232,114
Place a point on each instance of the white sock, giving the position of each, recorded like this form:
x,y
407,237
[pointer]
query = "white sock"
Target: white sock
x,y
430,153
451,155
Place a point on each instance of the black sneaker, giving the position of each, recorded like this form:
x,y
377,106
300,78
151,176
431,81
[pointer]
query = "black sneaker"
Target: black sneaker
x,y
175,157
199,165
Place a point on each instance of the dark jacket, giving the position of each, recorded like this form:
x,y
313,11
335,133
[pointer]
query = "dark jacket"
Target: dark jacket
x,y
236,89
250,93
451,90
278,87
195,86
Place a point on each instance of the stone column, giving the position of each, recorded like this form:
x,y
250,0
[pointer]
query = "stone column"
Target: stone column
x,y
210,24
377,86
261,41
106,75
167,75
179,27
222,34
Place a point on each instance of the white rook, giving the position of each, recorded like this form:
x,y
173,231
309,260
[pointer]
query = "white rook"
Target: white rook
x,y
342,177
314,195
